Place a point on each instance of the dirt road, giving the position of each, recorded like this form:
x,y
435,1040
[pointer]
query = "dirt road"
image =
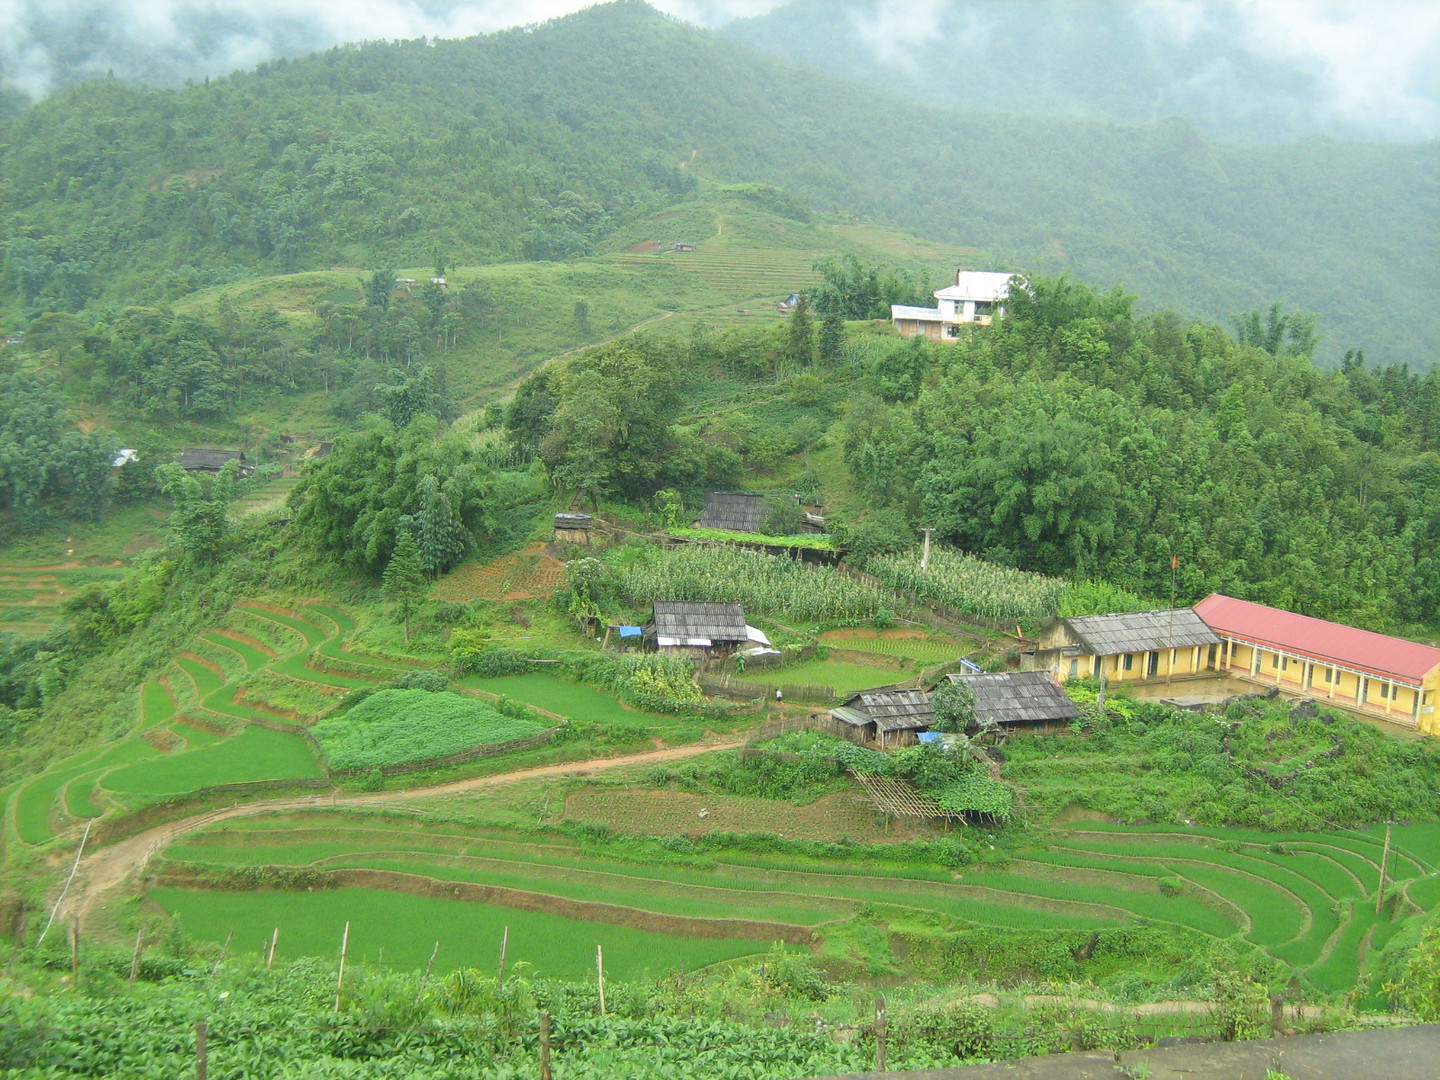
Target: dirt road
x,y
105,868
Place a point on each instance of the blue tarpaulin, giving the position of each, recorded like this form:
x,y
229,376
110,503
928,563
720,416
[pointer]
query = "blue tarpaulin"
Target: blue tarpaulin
x,y
629,631
930,736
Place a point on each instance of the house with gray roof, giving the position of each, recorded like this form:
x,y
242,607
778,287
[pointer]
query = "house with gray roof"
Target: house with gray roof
x,y
887,717
701,628
734,511
1128,647
212,461
1017,699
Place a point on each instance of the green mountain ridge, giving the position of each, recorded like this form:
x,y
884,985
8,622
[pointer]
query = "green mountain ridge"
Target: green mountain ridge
x,y
544,143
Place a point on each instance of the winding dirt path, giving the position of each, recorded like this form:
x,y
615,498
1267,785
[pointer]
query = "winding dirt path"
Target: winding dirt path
x,y
108,867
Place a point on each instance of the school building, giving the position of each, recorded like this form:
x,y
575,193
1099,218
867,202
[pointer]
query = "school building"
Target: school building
x,y
1351,668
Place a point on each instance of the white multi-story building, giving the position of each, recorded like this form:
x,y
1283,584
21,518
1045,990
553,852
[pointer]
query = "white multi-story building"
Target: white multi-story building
x,y
974,300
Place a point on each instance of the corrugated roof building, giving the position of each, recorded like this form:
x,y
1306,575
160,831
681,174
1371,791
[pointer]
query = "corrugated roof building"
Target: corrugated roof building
x,y
212,461
889,717
1129,646
734,511
1018,698
697,627
1356,669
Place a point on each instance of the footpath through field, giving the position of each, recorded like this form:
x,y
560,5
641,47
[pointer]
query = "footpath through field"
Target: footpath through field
x,y
105,868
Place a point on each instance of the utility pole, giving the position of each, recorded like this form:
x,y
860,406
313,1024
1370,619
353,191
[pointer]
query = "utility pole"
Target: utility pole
x,y
1384,864
925,555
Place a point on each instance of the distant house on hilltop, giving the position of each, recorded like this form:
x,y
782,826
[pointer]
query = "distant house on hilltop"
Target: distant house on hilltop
x,y
974,300
212,461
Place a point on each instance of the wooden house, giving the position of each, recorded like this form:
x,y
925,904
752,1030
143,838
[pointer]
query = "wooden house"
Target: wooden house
x,y
698,628
1128,647
212,461
886,717
1018,700
1341,665
573,528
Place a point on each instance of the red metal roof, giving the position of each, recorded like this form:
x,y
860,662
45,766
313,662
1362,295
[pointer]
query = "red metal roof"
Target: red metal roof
x,y
1375,654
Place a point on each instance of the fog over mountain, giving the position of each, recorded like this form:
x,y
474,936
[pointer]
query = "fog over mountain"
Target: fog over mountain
x,y
1237,69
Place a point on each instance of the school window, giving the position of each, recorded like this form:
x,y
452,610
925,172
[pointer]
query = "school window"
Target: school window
x,y
1153,665
1129,661
1212,655
1329,674
1386,691
1285,663
1274,659
1074,668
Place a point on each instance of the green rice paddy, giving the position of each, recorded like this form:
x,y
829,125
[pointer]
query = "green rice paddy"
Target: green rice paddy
x,y
569,699
406,928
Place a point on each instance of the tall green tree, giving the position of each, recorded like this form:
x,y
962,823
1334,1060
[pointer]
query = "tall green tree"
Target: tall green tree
x,y
439,533
403,583
800,335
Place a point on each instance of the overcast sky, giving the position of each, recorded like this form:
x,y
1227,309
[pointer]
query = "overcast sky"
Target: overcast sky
x,y
1379,58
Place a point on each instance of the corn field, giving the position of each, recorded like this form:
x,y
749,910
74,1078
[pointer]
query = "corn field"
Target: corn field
x,y
779,587
971,585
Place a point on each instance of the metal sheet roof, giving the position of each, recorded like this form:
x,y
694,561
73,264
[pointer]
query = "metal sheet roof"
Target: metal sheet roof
x,y
905,311
977,285
694,619
208,459
895,710
1333,643
1141,631
1018,697
735,511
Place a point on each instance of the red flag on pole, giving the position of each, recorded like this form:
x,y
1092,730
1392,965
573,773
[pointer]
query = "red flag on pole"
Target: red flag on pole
x,y
1174,561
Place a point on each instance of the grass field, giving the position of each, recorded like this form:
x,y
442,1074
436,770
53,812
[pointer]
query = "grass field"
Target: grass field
x,y
407,927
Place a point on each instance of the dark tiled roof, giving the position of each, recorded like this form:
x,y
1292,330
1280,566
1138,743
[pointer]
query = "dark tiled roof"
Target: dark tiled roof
x,y
1018,697
208,459
735,511
1141,631
699,619
894,710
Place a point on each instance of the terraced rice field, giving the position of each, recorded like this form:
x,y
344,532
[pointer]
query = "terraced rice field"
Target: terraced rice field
x,y
30,596
569,699
742,272
197,728
1306,898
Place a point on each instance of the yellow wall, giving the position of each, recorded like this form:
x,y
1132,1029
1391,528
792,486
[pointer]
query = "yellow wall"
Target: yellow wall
x,y
1188,661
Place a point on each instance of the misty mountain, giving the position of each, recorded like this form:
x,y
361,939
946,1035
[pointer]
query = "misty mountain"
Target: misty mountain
x,y
540,144
1122,61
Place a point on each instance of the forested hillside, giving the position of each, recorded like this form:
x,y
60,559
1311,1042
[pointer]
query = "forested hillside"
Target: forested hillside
x,y
541,144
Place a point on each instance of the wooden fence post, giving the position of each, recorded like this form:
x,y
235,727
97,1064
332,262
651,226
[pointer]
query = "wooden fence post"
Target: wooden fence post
x,y
202,1065
224,951
270,956
504,943
880,1033
75,951
419,990
340,978
600,976
545,1045
135,960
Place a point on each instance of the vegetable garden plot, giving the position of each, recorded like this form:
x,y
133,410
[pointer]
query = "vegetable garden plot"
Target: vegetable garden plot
x,y
971,585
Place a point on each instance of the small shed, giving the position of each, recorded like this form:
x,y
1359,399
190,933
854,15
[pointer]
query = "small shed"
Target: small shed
x,y
734,511
573,528
699,628
212,461
1017,699
887,717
